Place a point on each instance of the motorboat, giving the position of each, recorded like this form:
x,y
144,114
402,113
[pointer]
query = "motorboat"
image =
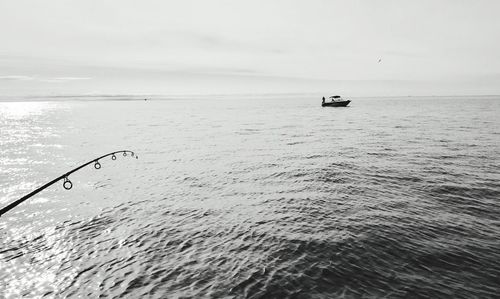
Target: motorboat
x,y
335,101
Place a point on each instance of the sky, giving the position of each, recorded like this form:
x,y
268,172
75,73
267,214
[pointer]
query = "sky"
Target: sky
x,y
355,47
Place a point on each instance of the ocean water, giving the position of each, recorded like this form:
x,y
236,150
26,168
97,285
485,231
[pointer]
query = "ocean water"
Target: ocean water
x,y
253,197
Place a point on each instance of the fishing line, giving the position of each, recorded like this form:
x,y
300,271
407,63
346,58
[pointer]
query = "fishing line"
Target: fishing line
x,y
67,184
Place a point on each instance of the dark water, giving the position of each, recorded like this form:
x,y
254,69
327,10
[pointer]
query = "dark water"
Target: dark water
x,y
255,198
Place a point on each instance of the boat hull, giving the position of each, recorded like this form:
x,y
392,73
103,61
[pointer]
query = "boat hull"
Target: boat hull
x,y
336,104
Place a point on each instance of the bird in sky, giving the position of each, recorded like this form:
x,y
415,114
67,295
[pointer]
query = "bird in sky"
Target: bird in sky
x,y
379,60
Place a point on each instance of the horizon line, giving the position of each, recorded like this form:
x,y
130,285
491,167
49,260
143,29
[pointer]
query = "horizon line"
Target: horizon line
x,y
142,96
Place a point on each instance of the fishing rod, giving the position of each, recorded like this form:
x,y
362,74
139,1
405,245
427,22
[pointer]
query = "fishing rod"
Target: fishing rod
x,y
67,184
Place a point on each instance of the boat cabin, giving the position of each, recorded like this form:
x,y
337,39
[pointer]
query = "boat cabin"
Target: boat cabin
x,y
335,98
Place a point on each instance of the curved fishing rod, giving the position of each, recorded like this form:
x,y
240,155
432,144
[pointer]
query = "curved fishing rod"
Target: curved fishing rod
x,y
67,184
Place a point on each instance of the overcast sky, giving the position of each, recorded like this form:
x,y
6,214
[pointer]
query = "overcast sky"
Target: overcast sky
x,y
193,47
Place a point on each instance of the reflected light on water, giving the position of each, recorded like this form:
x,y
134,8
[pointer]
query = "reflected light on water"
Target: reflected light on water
x,y
20,110
24,135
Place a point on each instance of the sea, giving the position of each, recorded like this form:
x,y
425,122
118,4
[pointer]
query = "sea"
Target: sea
x,y
251,196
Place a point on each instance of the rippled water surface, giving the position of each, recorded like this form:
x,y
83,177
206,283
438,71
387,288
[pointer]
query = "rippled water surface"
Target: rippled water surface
x,y
253,198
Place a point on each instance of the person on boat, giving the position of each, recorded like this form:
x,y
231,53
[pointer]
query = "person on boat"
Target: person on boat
x,y
323,100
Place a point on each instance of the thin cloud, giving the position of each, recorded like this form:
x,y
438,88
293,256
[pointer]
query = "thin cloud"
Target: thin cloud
x,y
72,78
202,40
16,78
42,79
64,79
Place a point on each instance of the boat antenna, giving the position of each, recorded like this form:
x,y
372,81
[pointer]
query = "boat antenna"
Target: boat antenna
x,y
67,184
